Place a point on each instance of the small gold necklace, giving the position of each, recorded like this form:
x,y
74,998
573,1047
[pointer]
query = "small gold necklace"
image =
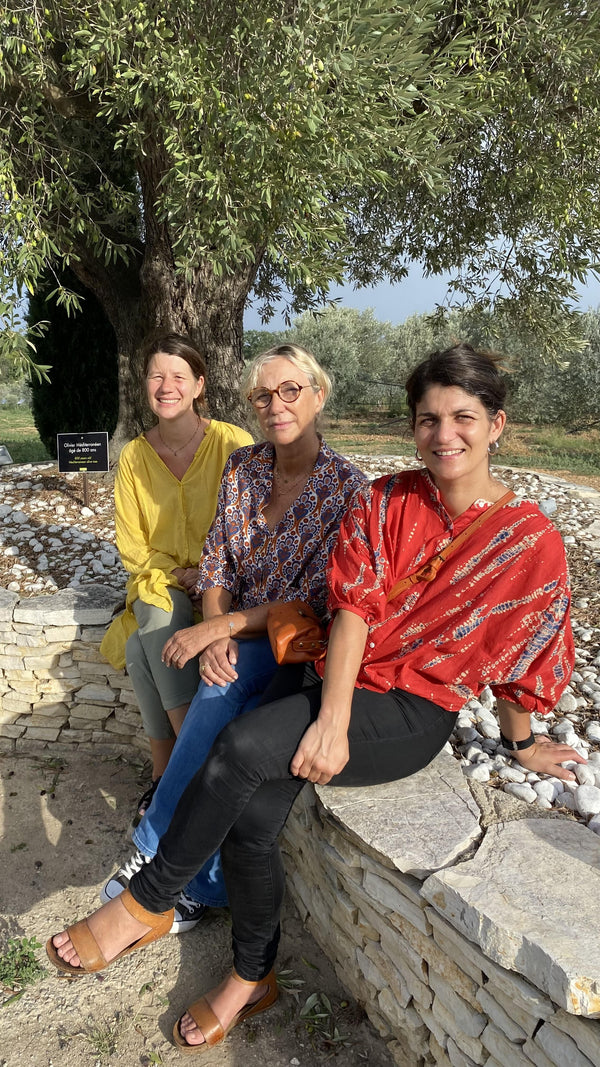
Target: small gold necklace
x,y
176,451
288,487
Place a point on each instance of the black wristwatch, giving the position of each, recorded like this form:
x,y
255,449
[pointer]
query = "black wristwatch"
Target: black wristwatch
x,y
517,746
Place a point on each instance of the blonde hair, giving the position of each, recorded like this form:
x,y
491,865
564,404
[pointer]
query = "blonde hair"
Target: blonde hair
x,y
298,357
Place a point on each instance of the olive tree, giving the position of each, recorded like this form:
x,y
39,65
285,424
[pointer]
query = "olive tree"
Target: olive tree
x,y
184,157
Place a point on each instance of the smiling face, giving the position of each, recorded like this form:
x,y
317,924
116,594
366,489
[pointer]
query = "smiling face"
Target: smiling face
x,y
171,386
452,432
288,423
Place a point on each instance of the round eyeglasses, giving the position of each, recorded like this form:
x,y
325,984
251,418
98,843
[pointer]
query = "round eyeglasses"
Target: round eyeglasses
x,y
289,392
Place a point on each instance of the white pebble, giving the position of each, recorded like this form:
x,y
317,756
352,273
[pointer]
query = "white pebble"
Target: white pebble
x,y
594,824
464,734
587,799
472,752
487,698
546,790
480,772
512,774
538,727
592,731
584,774
567,702
521,790
490,730
563,730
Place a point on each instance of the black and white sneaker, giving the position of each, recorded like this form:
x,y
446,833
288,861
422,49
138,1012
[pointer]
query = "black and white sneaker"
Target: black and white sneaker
x,y
121,878
187,911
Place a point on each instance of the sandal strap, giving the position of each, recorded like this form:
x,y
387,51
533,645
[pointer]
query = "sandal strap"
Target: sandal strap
x,y
206,1021
86,947
148,918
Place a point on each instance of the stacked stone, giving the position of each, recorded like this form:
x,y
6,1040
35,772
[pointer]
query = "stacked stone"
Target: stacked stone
x,y
55,688
458,963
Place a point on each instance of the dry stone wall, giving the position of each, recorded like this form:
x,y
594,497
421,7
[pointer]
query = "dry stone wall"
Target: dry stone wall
x,y
464,949
55,687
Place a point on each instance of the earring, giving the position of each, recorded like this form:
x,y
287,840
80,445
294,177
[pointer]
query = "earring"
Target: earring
x,y
418,454
493,447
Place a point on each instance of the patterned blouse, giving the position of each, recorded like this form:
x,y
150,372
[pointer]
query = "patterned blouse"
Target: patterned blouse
x,y
497,612
256,564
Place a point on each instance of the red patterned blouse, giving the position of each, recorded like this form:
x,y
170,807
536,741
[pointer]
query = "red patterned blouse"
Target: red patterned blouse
x,y
496,614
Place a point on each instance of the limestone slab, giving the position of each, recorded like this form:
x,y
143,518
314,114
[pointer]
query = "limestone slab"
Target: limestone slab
x,y
456,1057
560,1048
471,1046
503,1051
8,601
469,1021
515,900
585,1033
84,606
500,1017
95,694
421,823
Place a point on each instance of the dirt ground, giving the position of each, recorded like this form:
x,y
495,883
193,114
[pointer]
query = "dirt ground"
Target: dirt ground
x,y
64,827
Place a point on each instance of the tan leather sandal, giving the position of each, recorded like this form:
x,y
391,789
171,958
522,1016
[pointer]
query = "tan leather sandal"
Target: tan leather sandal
x,y
87,947
210,1027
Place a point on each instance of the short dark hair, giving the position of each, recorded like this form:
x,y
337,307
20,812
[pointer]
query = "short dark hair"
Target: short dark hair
x,y
175,344
464,366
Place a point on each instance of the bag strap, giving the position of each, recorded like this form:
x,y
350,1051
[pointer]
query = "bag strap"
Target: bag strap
x,y
428,571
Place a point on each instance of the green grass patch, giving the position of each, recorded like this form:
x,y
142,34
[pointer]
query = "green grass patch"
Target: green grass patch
x,y
18,433
18,965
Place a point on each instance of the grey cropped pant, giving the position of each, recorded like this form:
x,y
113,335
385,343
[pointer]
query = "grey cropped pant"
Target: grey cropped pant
x,y
159,688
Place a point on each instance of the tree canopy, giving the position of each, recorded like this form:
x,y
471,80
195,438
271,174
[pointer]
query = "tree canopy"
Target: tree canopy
x,y
182,156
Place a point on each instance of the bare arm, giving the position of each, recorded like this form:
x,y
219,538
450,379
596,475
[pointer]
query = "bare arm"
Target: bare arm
x,y
217,626
544,756
323,751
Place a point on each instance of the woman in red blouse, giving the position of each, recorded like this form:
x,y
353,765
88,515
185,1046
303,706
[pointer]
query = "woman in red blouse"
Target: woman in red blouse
x,y
383,705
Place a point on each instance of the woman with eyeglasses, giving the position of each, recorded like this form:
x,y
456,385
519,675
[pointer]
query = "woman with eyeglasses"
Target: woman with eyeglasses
x,y
278,512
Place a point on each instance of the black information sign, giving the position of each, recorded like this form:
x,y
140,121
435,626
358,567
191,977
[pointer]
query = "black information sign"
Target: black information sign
x,y
82,452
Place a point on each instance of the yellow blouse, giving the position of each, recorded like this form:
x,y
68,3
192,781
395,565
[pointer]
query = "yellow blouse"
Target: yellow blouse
x,y
162,522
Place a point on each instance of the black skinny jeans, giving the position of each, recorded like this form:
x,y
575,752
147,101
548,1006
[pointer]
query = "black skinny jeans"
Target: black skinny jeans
x,y
241,797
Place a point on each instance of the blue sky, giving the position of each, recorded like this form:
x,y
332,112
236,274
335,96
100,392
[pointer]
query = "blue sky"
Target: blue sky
x,y
413,296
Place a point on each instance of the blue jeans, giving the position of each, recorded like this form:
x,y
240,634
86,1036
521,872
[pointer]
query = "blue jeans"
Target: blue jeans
x,y
212,708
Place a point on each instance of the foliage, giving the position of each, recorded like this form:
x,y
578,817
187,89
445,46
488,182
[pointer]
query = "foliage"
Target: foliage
x,y
257,341
18,965
320,1021
179,156
566,393
354,348
82,393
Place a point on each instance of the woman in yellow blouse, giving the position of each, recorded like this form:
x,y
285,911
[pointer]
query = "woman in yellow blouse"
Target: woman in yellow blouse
x,y
165,500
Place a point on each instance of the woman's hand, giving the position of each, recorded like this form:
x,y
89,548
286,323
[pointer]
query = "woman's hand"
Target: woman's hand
x,y
217,662
183,645
545,757
186,576
322,753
